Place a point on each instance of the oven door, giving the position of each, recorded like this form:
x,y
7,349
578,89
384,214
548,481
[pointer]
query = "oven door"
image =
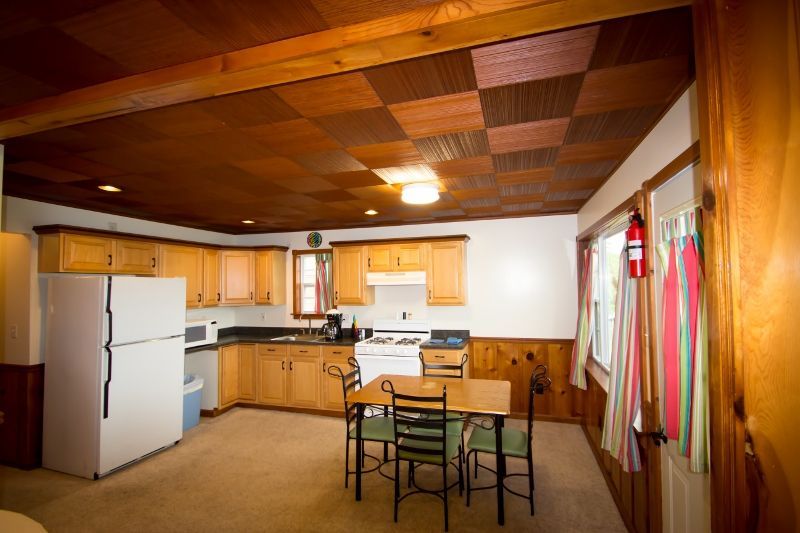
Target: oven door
x,y
373,366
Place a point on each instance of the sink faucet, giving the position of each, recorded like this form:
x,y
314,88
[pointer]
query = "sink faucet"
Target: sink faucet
x,y
300,319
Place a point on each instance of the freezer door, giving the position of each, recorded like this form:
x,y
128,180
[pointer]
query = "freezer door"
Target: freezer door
x,y
143,402
146,308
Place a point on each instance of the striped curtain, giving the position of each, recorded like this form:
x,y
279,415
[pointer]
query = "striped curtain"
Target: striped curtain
x,y
583,335
622,406
324,299
685,337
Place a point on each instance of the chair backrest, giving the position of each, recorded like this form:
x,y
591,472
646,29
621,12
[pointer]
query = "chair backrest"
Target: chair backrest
x,y
539,383
351,381
419,413
443,370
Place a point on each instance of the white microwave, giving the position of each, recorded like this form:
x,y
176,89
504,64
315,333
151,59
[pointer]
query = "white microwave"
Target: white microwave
x,y
200,333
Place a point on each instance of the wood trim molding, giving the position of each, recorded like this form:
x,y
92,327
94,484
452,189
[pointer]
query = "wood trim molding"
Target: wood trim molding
x,y
401,240
59,228
684,160
609,219
426,30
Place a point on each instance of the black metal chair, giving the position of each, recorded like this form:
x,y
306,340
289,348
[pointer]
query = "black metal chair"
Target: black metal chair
x,y
515,443
377,427
421,437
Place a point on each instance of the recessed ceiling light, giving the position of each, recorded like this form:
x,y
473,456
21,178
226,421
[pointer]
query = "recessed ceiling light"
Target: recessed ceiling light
x,y
370,212
248,222
420,193
109,188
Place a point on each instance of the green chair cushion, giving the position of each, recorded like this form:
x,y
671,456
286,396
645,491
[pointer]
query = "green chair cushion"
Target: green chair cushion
x,y
454,425
378,428
515,442
451,450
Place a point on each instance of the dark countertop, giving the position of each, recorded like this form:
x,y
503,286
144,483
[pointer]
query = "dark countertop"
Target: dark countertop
x,y
444,334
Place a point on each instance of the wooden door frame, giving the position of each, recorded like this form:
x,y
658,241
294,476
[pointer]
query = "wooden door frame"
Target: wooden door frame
x,y
725,378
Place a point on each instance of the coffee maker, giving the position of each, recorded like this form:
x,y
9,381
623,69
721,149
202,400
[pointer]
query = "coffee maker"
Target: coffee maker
x,y
333,328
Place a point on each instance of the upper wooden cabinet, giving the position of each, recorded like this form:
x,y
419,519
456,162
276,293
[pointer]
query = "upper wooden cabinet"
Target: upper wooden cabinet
x,y
183,262
396,257
270,277
446,274
350,276
237,277
76,252
211,295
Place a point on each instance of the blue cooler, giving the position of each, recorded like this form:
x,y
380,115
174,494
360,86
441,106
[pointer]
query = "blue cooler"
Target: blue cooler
x,y
192,392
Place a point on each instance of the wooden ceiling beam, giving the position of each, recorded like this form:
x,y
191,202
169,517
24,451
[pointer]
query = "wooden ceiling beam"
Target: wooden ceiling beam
x,y
449,25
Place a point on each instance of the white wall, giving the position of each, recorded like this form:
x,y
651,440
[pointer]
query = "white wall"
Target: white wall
x,y
676,132
521,278
20,343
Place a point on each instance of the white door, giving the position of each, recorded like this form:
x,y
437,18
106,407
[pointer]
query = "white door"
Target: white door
x,y
685,503
143,408
147,308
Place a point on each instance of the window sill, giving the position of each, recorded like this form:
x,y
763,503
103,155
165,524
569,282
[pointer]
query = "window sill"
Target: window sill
x,y
305,316
599,373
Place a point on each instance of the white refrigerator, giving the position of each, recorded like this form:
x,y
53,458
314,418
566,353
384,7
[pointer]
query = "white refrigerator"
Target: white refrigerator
x,y
113,371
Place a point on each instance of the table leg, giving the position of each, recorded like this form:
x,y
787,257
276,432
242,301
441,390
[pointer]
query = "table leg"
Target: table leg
x,y
501,467
359,449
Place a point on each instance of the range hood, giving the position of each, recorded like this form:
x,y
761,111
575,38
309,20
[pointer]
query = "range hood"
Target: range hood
x,y
396,278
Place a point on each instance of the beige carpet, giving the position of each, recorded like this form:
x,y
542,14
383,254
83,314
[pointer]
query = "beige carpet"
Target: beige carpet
x,y
255,470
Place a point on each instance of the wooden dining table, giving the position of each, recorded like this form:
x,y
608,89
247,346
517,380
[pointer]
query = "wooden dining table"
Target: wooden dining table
x,y
486,397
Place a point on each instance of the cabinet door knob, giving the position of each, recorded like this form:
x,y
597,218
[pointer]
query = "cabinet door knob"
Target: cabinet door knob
x,y
398,261
154,262
336,296
369,261
251,295
267,295
109,259
429,294
283,365
323,367
199,297
291,364
218,298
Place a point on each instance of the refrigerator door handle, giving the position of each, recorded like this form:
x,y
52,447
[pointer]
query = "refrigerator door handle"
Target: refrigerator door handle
x,y
107,384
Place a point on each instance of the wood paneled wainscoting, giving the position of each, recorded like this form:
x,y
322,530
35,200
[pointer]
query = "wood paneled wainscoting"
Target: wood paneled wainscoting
x,y
21,404
514,359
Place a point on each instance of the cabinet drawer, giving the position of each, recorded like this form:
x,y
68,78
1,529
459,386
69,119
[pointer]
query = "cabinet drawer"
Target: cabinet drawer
x,y
448,357
303,350
273,349
338,353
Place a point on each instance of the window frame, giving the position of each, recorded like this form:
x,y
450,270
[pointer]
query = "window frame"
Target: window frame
x,y
297,285
600,297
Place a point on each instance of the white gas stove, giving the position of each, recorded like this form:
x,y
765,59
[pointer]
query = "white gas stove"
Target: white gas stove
x,y
393,348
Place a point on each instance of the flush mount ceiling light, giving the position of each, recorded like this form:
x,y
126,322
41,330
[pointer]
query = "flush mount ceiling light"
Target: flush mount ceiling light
x,y
370,212
248,222
420,193
109,188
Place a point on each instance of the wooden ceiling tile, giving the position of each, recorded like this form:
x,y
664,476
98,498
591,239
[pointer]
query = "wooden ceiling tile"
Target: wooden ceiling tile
x,y
643,37
525,176
523,189
179,120
468,194
170,152
125,158
346,12
479,181
522,207
392,154
249,108
364,126
563,205
475,203
83,166
528,135
448,213
274,168
329,162
535,58
117,131
405,174
451,146
377,192
531,101
525,159
425,77
16,88
624,123
578,194
39,146
584,153
334,94
45,172
635,85
141,35
464,167
585,170
228,145
74,65
292,137
245,23
306,184
332,196
522,198
576,184
482,212
440,114
359,178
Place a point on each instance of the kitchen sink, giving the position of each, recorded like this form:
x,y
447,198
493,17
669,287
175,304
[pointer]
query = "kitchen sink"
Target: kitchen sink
x,y
304,337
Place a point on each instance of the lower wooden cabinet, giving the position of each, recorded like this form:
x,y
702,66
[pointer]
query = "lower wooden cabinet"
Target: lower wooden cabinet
x,y
304,376
228,374
271,382
332,394
247,372
447,357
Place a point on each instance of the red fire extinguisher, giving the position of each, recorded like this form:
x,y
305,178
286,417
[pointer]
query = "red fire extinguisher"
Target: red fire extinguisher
x,y
635,238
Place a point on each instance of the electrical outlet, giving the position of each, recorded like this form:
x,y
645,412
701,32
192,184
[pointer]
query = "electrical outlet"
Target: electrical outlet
x,y
112,226
263,317
14,331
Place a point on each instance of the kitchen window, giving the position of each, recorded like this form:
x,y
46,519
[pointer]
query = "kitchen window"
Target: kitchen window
x,y
605,273
313,283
